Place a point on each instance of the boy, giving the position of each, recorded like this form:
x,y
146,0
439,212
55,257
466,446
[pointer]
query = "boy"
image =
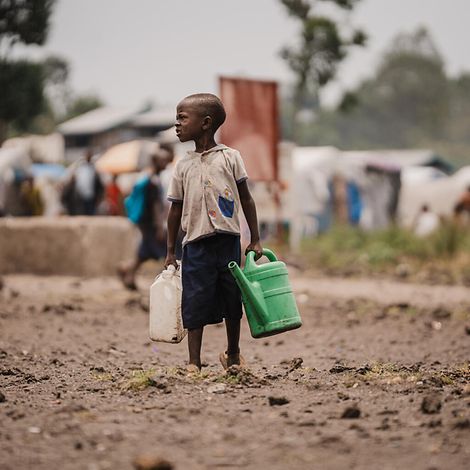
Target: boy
x,y
206,190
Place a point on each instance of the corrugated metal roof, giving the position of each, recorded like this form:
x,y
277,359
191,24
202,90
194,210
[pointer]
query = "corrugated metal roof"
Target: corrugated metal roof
x,y
155,118
96,121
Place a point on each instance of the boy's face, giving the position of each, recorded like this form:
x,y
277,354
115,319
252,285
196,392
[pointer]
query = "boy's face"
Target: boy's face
x,y
190,123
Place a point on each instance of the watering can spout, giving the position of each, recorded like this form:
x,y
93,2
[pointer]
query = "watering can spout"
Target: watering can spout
x,y
250,290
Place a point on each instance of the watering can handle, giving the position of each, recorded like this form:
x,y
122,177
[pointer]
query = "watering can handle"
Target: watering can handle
x,y
250,257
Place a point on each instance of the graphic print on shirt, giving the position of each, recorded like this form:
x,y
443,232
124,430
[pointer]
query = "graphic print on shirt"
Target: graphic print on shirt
x,y
226,203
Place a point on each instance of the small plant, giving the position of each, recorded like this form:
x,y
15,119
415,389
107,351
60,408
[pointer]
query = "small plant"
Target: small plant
x,y
140,380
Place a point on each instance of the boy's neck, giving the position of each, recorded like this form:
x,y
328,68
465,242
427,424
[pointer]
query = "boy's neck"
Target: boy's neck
x,y
205,142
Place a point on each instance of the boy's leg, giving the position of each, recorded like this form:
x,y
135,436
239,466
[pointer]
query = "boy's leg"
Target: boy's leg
x,y
194,346
232,355
127,273
230,298
233,335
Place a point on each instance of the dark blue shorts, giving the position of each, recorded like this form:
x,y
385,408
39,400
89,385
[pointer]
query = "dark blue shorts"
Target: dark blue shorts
x,y
150,247
210,292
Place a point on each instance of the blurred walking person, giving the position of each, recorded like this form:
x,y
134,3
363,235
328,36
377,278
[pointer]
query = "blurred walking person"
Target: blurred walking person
x,y
30,198
114,199
88,187
147,209
426,222
462,208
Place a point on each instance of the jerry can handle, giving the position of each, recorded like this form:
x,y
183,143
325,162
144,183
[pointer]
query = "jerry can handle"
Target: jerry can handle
x,y
250,257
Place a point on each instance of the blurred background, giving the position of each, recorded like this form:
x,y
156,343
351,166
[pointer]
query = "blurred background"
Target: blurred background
x,y
352,117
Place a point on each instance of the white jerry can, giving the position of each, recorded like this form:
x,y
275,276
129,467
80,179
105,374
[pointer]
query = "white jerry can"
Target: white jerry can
x,y
165,322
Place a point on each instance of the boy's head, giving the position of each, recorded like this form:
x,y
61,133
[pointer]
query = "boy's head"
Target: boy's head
x,y
198,114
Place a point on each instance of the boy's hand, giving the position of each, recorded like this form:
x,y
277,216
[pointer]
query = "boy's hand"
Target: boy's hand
x,y
257,248
170,259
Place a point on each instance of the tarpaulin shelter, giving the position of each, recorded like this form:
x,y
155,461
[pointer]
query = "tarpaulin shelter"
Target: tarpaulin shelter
x,y
252,124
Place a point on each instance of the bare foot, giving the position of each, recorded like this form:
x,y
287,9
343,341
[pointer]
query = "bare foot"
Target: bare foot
x,y
228,360
126,279
192,369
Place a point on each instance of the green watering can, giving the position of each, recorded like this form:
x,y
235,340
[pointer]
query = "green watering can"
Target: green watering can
x,y
267,295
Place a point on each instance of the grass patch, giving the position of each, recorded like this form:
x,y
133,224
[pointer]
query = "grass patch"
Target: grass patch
x,y
140,380
347,250
103,377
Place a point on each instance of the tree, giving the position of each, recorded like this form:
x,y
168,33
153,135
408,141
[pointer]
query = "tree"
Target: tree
x,y
405,103
22,82
25,21
57,89
22,96
82,104
322,47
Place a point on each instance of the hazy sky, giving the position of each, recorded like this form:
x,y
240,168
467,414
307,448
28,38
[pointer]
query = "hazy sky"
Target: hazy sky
x,y
128,51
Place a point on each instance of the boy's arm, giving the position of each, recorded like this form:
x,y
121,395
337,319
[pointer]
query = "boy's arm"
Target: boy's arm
x,y
174,220
249,209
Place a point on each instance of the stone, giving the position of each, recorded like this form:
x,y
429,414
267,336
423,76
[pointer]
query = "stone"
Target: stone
x,y
150,462
217,388
431,404
351,412
278,401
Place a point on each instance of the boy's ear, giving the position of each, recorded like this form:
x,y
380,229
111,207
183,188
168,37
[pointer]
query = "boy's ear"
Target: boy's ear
x,y
207,123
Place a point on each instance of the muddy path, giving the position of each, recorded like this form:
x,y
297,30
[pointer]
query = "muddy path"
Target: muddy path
x,y
372,380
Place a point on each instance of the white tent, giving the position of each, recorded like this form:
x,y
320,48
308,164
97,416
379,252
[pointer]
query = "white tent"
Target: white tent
x,y
439,194
312,169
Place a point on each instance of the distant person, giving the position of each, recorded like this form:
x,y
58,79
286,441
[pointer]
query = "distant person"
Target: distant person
x,y
88,187
462,207
114,199
207,190
31,200
148,195
68,196
426,222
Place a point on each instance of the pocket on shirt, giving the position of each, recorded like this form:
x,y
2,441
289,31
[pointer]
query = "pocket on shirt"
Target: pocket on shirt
x,y
226,207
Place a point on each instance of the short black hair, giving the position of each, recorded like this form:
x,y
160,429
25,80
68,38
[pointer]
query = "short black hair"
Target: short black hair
x,y
209,105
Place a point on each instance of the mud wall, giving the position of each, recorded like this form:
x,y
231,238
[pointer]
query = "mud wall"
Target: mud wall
x,y
82,246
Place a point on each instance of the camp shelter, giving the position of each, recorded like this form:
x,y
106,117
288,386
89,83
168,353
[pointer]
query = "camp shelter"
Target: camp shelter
x,y
359,187
378,176
41,148
106,126
312,171
97,129
440,194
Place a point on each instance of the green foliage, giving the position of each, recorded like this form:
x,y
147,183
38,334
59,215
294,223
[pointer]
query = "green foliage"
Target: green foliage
x,y
22,96
346,248
409,102
25,21
82,104
322,47
22,82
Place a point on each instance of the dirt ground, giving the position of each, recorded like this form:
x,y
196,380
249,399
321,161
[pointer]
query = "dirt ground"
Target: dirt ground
x,y
377,377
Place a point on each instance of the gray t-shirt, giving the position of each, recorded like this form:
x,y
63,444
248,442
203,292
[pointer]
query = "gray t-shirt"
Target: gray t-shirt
x,y
206,184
